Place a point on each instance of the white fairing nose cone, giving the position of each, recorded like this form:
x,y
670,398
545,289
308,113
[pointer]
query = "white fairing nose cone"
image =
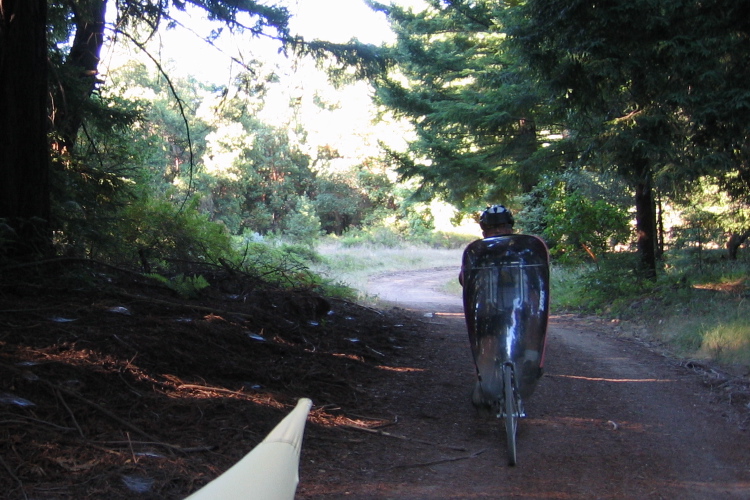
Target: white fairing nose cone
x,y
270,471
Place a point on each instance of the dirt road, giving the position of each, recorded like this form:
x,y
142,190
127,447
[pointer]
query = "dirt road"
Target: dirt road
x,y
611,419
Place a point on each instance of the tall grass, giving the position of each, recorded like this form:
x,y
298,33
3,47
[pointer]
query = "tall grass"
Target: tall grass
x,y
728,341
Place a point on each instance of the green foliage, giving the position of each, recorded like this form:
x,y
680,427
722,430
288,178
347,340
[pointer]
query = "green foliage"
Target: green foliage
x,y
658,128
154,233
486,86
576,224
708,217
187,287
289,267
248,176
303,224
577,213
304,253
352,198
472,105
414,221
699,229
609,287
729,340
378,236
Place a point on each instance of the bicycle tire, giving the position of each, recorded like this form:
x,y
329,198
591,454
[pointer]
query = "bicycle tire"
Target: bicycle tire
x,y
511,413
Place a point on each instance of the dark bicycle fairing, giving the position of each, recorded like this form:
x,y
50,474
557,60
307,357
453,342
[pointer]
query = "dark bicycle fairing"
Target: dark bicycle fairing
x,y
506,304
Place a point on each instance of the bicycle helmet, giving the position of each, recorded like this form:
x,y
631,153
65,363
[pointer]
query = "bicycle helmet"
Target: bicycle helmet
x,y
496,215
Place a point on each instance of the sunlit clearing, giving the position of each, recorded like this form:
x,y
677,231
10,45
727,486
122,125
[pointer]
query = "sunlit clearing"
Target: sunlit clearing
x,y
733,286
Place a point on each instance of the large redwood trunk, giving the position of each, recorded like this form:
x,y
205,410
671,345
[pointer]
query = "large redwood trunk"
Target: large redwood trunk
x,y
24,149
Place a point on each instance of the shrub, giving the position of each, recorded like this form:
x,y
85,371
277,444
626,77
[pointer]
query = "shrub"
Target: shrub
x,y
156,233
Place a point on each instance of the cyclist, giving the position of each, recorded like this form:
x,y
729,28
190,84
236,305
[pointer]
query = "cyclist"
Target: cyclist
x,y
495,220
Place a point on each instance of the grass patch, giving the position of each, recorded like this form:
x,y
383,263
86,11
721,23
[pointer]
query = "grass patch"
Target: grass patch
x,y
720,331
355,265
728,342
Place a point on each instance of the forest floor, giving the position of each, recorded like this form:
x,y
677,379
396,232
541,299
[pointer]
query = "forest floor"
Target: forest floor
x,y
116,388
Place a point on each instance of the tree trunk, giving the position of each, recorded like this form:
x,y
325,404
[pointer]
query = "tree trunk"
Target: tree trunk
x,y
80,71
526,145
659,228
735,240
24,149
645,217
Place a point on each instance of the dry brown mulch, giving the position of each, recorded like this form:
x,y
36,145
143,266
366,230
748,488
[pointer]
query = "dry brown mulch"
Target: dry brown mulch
x,y
113,386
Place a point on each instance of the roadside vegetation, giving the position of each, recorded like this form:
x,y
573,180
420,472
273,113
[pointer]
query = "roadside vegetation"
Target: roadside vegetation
x,y
700,310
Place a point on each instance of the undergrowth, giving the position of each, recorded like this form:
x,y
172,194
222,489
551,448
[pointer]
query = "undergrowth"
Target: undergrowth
x,y
699,309
386,237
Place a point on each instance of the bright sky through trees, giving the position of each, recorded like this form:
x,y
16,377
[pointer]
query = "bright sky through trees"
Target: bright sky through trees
x,y
339,21
184,51
348,128
331,20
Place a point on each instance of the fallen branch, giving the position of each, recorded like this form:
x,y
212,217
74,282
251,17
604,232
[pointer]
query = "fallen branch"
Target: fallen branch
x,y
70,412
436,462
206,388
114,417
26,420
403,438
128,444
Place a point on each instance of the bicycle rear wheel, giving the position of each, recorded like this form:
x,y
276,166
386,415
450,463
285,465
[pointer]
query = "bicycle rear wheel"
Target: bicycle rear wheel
x,y
511,413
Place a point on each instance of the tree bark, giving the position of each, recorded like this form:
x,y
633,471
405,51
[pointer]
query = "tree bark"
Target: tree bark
x,y
735,240
81,69
645,217
24,148
659,228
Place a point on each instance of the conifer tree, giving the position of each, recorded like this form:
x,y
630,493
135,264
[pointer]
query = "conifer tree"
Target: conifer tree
x,y
475,111
652,89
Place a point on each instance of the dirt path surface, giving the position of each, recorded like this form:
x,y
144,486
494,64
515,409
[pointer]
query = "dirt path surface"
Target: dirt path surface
x,y
612,418
114,386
